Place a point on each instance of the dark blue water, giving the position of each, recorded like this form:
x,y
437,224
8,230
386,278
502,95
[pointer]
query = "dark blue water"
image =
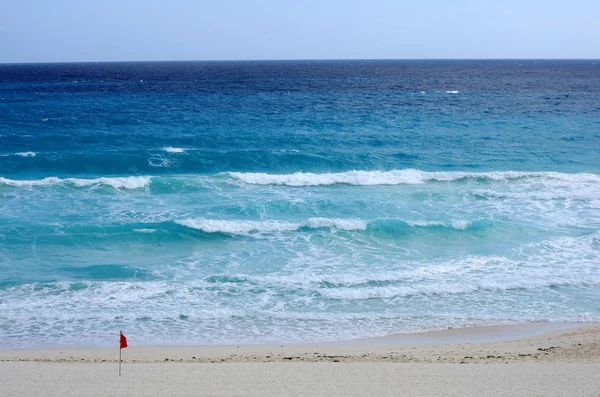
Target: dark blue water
x,y
243,202
299,116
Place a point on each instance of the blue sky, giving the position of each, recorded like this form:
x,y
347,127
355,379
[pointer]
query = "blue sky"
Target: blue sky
x,y
136,30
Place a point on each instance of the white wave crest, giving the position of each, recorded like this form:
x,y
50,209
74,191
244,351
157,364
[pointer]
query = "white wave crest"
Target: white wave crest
x,y
397,177
173,149
258,227
460,224
238,227
452,92
26,154
31,183
130,182
360,178
340,224
455,224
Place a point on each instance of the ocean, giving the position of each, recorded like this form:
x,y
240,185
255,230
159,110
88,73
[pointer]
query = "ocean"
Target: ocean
x,y
257,202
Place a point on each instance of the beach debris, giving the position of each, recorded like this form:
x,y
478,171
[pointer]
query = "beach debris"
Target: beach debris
x,y
547,349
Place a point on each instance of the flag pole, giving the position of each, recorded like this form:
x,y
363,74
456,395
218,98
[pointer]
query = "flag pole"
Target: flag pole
x,y
122,345
120,333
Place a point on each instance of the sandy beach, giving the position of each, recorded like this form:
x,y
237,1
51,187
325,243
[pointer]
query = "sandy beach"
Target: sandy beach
x,y
521,360
315,208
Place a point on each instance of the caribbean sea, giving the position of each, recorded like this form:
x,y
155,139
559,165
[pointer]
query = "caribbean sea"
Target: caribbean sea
x,y
297,201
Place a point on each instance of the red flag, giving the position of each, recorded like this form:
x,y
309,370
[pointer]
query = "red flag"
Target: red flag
x,y
123,341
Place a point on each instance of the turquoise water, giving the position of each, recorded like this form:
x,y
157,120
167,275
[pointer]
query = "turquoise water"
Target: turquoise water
x,y
252,202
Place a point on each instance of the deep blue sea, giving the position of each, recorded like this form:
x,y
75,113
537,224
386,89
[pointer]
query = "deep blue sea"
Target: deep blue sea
x,y
254,202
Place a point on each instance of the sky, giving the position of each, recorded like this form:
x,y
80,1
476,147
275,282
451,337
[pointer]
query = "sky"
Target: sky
x,y
156,30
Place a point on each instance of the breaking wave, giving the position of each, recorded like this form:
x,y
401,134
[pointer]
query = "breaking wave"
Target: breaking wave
x,y
173,149
130,182
300,179
250,227
26,154
455,224
242,227
398,177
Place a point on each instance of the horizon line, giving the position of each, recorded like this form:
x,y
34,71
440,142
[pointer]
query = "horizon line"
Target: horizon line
x,y
297,60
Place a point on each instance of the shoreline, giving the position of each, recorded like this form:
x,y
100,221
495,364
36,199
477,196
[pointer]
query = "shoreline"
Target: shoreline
x,y
562,362
469,334
475,333
537,342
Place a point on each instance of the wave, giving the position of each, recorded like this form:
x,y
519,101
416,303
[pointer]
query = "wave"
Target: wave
x,y
392,292
20,154
26,154
398,177
339,224
169,149
576,194
130,182
368,278
144,230
238,227
165,228
258,227
389,226
356,178
454,224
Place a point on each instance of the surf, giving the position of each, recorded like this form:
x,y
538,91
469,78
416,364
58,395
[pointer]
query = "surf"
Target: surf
x,y
402,177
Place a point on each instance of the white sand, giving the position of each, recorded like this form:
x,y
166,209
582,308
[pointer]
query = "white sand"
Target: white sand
x,y
300,379
560,363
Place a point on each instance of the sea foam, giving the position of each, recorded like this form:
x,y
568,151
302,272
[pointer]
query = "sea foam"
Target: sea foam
x,y
249,227
390,292
398,177
130,182
243,227
173,149
454,224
